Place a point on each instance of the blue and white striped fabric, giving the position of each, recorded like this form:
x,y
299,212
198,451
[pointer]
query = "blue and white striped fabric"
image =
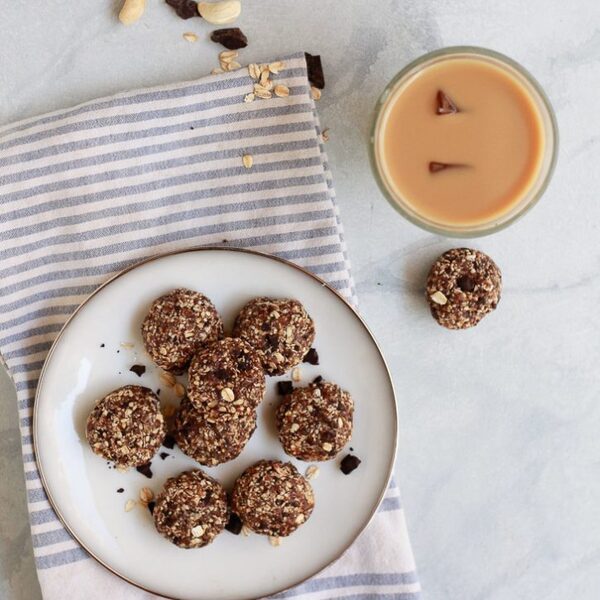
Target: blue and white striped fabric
x,y
87,191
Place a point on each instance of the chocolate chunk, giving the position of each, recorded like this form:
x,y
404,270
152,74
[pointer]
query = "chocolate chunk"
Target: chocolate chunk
x,y
139,370
232,38
186,9
151,506
349,463
285,387
465,283
120,491
102,345
164,455
445,104
315,70
145,470
222,374
158,392
234,525
312,357
318,379
436,167
169,441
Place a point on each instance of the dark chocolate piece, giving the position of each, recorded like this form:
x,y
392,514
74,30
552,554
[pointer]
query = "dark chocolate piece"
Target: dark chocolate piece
x,y
145,470
186,9
232,38
318,379
164,455
445,104
349,463
102,345
169,441
139,370
234,525
120,491
315,70
465,283
151,506
285,387
312,357
436,167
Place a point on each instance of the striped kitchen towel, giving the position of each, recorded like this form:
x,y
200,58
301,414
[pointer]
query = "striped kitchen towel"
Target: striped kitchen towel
x,y
86,192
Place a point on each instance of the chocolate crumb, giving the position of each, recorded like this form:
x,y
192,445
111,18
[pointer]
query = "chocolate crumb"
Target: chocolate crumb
x,y
318,379
349,463
151,506
232,38
351,449
158,392
139,370
445,104
164,455
186,9
120,491
145,470
234,525
102,345
169,441
312,357
315,70
285,387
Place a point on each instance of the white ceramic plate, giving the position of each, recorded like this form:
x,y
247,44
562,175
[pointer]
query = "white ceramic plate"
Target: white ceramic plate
x,y
82,488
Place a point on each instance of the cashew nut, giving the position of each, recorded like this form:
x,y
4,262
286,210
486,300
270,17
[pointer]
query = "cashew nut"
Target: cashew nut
x,y
132,10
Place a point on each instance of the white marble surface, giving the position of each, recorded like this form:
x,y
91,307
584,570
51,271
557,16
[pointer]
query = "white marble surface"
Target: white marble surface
x,y
499,453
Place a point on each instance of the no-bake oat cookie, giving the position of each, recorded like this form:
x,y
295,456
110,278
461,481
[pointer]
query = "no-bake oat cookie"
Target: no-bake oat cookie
x,y
226,378
191,510
272,498
212,441
177,325
280,330
126,426
463,286
315,422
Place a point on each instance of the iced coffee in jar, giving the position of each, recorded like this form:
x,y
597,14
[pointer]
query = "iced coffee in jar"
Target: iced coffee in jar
x,y
464,141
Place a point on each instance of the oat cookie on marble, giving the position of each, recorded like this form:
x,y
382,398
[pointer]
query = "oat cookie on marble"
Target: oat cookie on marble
x,y
177,325
126,426
463,286
315,422
272,498
191,510
226,379
212,441
279,329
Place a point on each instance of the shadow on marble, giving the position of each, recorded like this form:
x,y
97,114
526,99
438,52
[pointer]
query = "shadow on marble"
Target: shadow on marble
x,y
18,579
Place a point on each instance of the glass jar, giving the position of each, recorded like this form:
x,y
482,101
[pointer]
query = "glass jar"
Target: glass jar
x,y
530,195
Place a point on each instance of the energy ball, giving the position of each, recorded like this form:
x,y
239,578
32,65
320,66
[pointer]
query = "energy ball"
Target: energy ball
x,y
463,286
225,378
208,441
272,498
280,330
126,426
315,422
191,510
177,325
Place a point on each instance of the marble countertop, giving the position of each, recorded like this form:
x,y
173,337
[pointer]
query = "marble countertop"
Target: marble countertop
x,y
499,448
